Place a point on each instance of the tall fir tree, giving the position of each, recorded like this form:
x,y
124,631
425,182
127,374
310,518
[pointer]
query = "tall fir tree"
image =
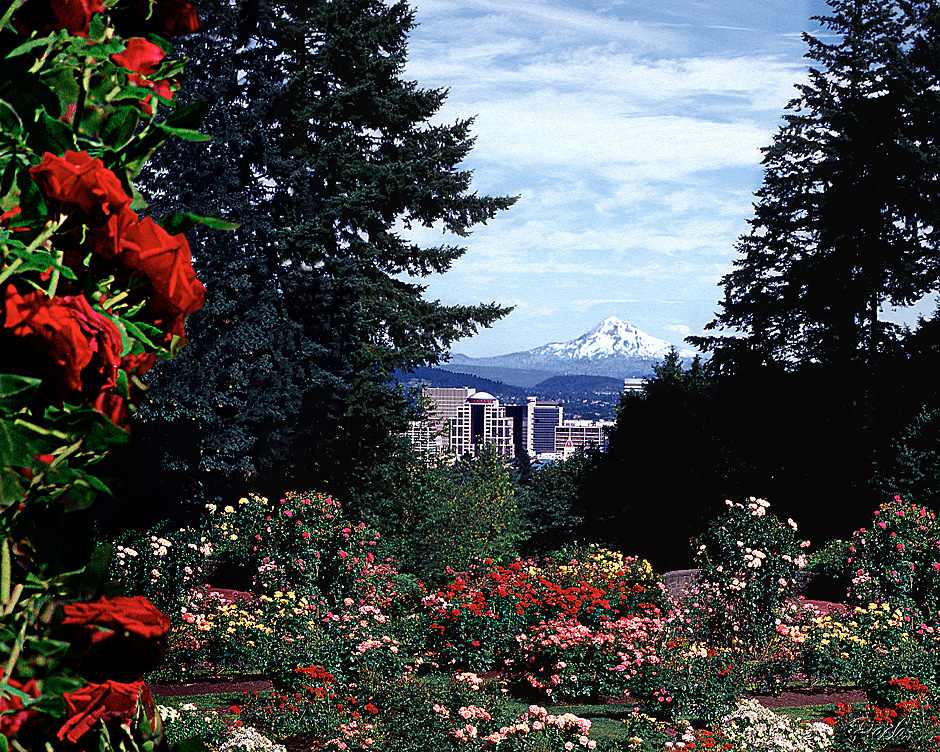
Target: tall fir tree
x,y
845,222
326,158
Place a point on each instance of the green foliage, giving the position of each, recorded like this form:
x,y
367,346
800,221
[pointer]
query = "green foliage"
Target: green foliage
x,y
321,152
93,295
911,467
450,514
554,493
841,226
160,564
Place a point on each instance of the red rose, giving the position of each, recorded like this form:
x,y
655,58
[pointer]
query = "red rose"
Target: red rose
x,y
68,331
143,58
12,712
166,261
111,699
78,182
47,16
135,615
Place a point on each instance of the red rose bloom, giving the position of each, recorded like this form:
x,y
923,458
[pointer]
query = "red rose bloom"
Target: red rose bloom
x,y
70,332
47,16
136,616
111,699
12,712
78,182
166,261
143,59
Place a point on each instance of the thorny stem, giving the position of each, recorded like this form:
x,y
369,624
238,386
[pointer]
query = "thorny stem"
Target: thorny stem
x,y
14,6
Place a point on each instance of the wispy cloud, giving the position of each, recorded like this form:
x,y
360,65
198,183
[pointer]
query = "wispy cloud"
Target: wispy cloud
x,y
632,133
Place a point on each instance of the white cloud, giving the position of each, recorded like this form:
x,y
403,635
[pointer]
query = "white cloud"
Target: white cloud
x,y
631,130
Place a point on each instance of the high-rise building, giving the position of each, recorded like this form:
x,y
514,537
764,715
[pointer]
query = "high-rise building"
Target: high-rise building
x,y
462,421
481,421
574,434
443,406
542,418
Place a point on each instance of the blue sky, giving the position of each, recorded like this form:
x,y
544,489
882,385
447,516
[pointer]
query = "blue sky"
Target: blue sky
x,y
630,129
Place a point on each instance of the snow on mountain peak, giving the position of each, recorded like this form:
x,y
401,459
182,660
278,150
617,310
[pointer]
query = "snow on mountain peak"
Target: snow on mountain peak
x,y
611,338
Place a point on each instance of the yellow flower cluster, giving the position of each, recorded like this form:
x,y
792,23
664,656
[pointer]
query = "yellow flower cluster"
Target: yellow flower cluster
x,y
599,564
876,625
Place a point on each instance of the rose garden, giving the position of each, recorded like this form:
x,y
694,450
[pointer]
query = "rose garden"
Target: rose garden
x,y
298,624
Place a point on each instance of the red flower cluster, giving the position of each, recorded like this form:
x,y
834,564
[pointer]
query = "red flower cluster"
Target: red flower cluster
x,y
83,346
77,183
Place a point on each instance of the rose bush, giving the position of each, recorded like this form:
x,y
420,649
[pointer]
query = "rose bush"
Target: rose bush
x,y
749,562
897,560
91,296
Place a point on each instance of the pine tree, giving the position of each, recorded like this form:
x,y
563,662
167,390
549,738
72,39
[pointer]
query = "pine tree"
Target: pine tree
x,y
845,222
326,157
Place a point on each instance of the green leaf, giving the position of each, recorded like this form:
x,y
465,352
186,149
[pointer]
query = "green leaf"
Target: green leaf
x,y
177,222
12,488
39,261
16,391
187,134
49,647
31,199
143,332
52,135
122,385
120,127
189,116
96,572
10,123
16,445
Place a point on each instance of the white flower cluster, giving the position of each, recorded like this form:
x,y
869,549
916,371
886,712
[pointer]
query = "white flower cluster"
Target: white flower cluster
x,y
123,552
754,728
249,739
758,507
753,557
160,546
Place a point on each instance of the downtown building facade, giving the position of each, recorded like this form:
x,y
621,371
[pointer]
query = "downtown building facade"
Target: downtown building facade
x,y
461,421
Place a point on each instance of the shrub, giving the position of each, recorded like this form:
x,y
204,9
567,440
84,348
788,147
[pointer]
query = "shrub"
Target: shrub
x,y
753,728
872,646
451,514
897,559
162,565
749,560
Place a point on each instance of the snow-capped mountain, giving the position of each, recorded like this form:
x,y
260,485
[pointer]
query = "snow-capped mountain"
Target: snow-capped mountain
x,y
612,348
609,339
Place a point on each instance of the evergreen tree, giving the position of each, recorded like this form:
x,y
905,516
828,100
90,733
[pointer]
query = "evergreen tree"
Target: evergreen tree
x,y
845,221
326,157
